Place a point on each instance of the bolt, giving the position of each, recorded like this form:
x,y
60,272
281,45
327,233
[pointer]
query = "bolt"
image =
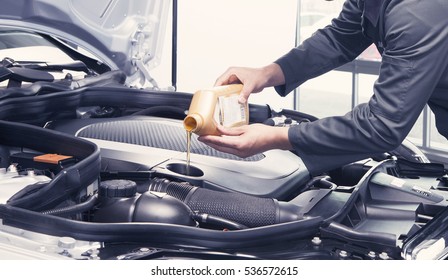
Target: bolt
x,y
372,254
66,243
384,256
343,254
316,241
144,250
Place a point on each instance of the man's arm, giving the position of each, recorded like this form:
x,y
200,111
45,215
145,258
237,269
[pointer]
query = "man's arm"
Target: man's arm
x,y
414,59
327,49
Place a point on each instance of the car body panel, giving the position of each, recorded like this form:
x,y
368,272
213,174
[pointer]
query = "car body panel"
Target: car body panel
x,y
125,35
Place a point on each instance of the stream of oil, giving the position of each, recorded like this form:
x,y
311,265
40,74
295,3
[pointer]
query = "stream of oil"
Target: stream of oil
x,y
187,168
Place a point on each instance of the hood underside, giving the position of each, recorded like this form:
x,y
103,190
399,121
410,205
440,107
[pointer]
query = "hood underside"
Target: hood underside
x,y
125,35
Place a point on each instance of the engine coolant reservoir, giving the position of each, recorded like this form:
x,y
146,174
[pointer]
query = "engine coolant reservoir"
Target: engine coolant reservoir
x,y
217,105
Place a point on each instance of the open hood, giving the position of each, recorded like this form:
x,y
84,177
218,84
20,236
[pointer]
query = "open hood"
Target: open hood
x,y
123,34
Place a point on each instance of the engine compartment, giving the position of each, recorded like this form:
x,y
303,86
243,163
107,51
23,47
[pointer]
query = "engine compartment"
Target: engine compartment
x,y
98,171
106,192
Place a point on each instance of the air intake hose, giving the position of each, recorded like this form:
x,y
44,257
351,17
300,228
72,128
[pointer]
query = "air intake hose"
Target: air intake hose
x,y
248,210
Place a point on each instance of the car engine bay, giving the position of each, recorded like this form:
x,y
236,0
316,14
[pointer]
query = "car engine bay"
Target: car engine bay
x,y
93,169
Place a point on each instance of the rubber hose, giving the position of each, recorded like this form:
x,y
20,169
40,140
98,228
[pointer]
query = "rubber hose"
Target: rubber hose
x,y
73,209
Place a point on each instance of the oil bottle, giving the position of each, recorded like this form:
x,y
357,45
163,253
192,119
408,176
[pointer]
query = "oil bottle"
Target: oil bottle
x,y
217,105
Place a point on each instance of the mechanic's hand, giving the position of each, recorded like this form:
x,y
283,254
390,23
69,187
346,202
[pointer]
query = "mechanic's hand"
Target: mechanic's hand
x,y
254,80
248,140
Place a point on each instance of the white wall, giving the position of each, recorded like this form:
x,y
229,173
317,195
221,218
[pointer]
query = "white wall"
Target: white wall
x,y
216,34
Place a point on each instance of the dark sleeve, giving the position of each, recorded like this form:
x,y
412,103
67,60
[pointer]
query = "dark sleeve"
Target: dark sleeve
x,y
415,57
326,49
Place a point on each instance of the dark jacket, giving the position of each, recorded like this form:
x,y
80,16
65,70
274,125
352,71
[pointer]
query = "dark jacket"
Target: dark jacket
x,y
412,36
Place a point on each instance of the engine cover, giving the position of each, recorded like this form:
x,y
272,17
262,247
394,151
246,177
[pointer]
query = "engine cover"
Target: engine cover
x,y
159,144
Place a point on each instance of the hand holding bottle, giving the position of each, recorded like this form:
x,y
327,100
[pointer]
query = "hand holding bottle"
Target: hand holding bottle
x,y
248,140
254,80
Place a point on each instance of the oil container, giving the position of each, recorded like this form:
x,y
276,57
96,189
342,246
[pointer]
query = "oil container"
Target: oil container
x,y
217,105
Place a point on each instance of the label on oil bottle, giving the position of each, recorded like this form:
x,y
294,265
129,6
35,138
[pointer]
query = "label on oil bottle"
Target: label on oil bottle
x,y
229,112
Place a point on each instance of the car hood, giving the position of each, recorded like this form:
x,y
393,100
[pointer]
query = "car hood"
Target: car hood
x,y
124,34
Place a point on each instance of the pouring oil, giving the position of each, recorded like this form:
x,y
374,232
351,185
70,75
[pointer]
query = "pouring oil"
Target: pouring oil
x,y
187,168
212,107
218,105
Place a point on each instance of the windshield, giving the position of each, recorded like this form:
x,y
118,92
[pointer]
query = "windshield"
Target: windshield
x,y
11,39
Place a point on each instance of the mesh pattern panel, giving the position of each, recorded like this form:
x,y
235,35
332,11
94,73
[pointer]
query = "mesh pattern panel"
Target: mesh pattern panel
x,y
178,190
153,134
244,209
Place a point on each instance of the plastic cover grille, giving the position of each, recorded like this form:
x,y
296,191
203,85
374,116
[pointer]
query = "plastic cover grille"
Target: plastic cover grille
x,y
153,134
